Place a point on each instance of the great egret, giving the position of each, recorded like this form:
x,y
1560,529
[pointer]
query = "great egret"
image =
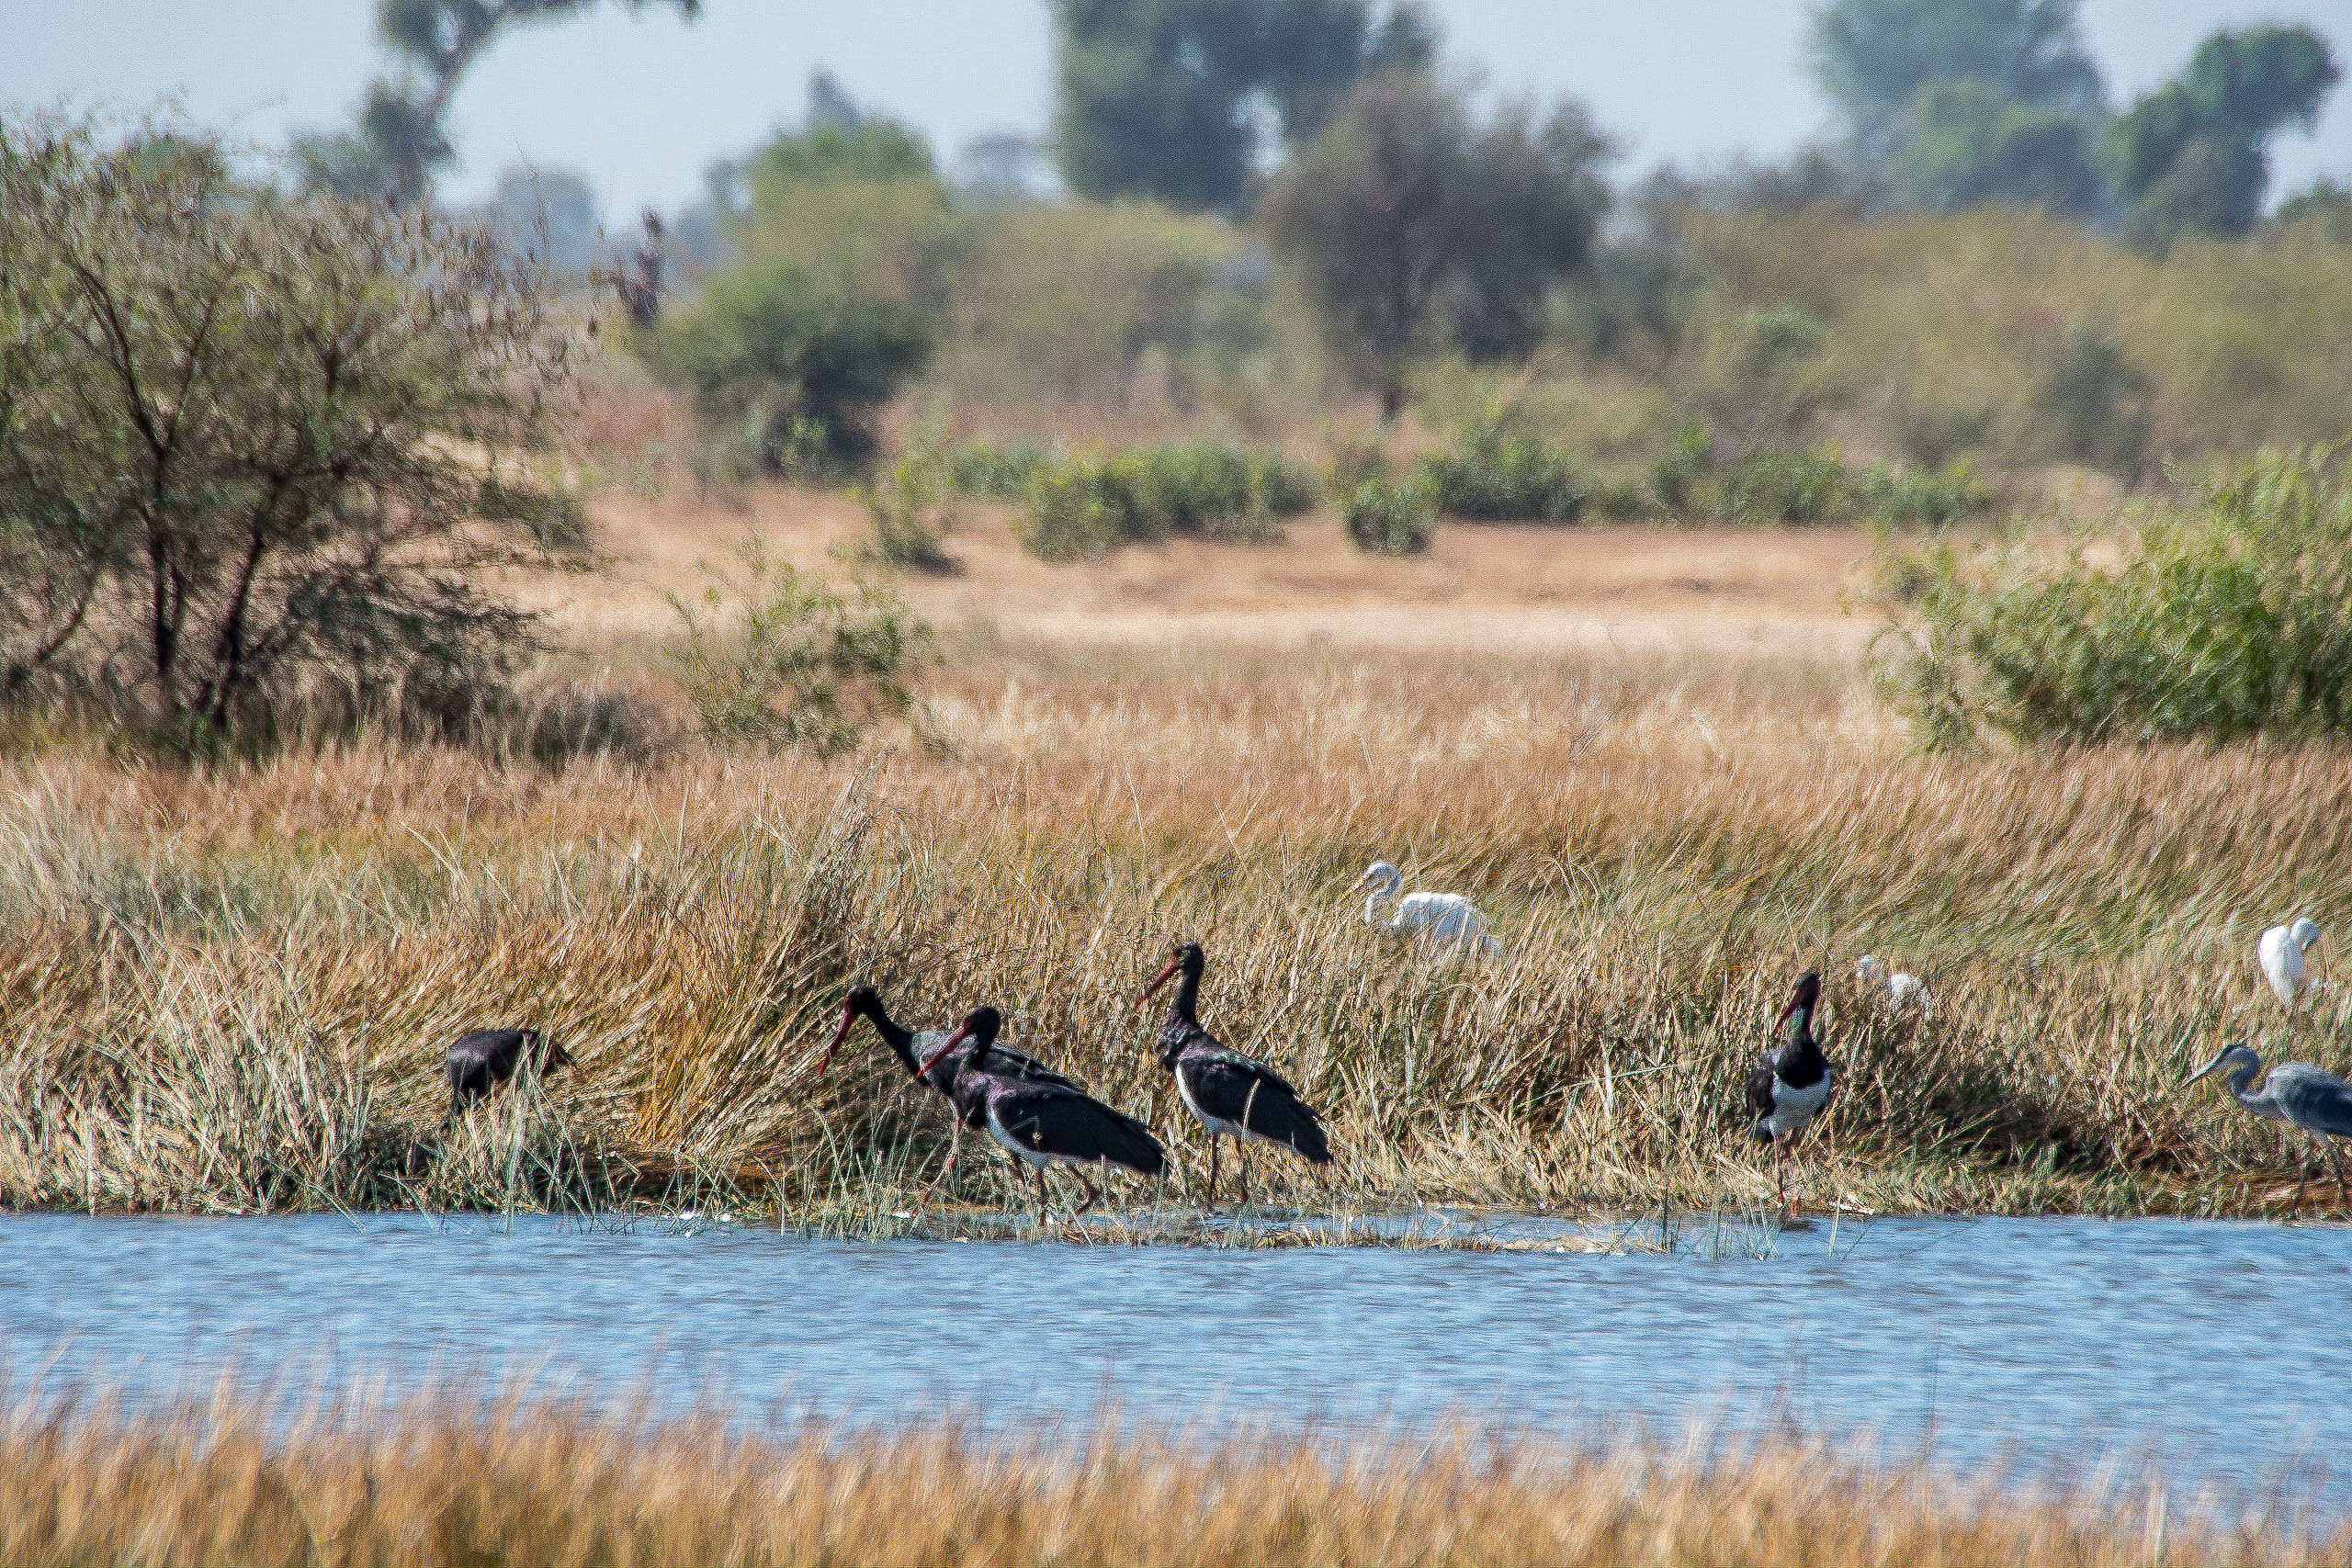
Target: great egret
x,y
2280,953
1902,989
1790,1084
2296,1093
1232,1095
1439,919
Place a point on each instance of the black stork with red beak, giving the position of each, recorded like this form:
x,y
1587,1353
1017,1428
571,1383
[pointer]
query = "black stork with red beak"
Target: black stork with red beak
x,y
482,1060
1234,1096
1037,1121
1789,1085
921,1055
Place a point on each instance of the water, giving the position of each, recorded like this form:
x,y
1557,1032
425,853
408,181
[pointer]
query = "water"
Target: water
x,y
2219,1348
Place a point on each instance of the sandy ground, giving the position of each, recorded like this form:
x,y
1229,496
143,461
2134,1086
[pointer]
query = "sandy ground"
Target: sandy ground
x,y
1480,589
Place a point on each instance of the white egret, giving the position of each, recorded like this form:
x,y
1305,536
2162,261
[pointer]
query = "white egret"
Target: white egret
x,y
1902,989
2280,953
1439,919
2296,1093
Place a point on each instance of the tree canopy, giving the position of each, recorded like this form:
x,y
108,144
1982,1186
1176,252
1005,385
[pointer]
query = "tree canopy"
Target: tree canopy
x,y
1410,224
398,144
1873,57
2193,156
1168,98
255,448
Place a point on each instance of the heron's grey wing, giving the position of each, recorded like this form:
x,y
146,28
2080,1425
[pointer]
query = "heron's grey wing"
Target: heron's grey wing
x,y
2312,1098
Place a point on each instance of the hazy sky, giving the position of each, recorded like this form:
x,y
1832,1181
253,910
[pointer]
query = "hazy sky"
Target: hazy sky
x,y
641,105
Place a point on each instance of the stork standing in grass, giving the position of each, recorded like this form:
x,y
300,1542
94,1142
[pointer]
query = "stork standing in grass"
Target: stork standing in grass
x,y
2279,952
1036,1122
1444,921
1790,1084
1232,1095
939,1072
482,1060
2296,1093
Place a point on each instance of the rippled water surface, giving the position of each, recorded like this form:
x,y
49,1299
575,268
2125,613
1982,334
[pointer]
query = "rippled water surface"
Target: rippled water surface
x,y
2223,1347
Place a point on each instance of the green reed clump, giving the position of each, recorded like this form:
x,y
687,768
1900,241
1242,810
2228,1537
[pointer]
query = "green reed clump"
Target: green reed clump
x,y
1390,517
2231,619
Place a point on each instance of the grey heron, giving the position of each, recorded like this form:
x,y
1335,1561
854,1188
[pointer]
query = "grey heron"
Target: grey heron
x,y
2296,1093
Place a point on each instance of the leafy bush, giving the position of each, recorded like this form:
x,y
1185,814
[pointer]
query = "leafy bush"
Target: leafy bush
x,y
912,505
1934,499
2233,620
784,660
777,361
1783,487
258,454
995,471
1390,519
1083,506
1505,475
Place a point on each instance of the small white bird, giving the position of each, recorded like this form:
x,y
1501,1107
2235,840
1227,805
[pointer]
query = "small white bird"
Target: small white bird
x,y
1439,919
2280,953
1902,989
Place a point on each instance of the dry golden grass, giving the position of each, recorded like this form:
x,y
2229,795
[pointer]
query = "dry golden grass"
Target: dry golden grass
x,y
228,986
459,1479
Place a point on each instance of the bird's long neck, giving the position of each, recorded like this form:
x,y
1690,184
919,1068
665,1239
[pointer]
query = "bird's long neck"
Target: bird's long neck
x,y
1800,1043
902,1043
1187,997
1380,895
2241,1082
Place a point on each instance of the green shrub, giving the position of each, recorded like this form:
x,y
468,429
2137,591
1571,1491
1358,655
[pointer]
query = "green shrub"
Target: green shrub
x,y
912,509
2232,620
996,470
1390,519
1679,477
1505,475
1783,487
1082,507
783,660
1933,499
777,361
2091,400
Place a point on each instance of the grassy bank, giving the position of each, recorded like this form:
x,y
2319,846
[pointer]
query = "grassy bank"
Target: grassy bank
x,y
229,988
467,1479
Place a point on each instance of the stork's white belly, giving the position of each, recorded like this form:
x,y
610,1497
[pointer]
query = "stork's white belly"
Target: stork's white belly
x,y
1792,1108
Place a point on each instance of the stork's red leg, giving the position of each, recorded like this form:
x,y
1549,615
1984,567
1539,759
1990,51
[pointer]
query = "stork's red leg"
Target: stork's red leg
x,y
1094,1194
1041,1194
1212,1197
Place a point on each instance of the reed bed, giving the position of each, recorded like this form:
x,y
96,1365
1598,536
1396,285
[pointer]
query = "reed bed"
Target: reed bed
x,y
463,1477
228,986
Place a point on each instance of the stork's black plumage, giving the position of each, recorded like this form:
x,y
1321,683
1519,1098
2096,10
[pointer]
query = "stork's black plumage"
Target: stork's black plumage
x,y
485,1058
1790,1084
1038,1122
1232,1095
919,1054
914,1050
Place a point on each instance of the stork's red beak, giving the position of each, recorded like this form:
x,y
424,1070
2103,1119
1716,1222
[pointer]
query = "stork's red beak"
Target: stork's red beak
x,y
1161,979
849,1017
963,1032
1784,1013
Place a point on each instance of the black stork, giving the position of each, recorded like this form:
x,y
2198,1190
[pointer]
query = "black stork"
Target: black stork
x,y
1041,1122
1234,1096
940,1073
1790,1084
482,1060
